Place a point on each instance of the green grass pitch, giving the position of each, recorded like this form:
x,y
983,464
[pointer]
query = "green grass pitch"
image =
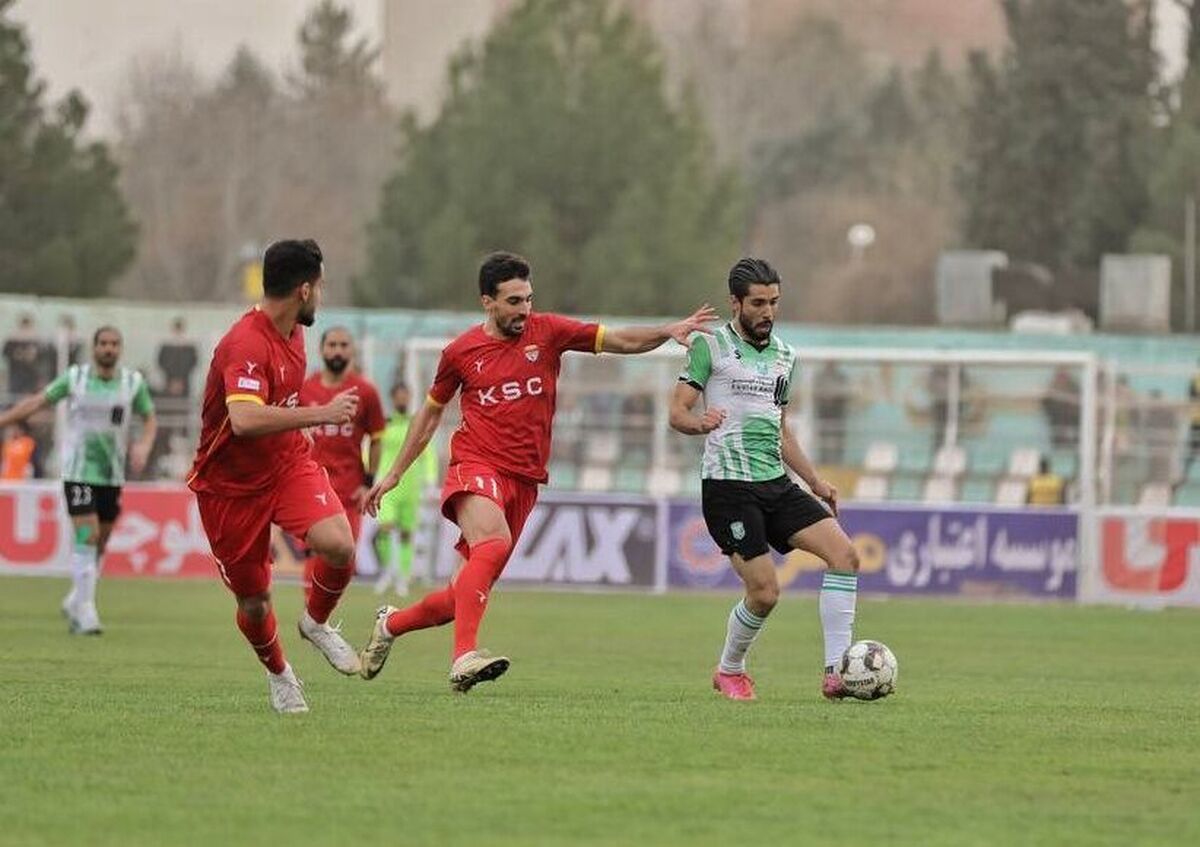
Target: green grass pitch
x,y
1014,724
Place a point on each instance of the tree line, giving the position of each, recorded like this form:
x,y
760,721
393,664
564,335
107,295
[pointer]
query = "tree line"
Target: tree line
x,y
631,177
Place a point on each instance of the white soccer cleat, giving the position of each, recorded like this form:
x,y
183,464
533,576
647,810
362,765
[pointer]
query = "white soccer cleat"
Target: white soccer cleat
x,y
328,640
375,654
475,667
83,619
287,692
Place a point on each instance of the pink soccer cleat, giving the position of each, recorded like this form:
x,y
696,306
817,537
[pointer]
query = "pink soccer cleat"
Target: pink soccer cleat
x,y
831,687
735,686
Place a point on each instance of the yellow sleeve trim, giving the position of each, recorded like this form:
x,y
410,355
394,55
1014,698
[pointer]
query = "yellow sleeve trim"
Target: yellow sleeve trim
x,y
244,398
430,398
599,339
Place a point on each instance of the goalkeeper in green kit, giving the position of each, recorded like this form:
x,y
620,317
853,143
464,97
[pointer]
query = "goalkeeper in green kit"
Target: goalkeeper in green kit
x,y
401,507
101,401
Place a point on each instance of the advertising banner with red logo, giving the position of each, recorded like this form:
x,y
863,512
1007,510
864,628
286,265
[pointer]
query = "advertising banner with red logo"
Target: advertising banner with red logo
x,y
1146,558
158,533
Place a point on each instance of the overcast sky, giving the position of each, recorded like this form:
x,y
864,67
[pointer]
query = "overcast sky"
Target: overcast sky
x,y
87,44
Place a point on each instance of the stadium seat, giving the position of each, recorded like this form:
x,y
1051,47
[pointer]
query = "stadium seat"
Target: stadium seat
x,y
881,458
602,448
939,489
977,489
1155,494
595,478
871,488
1188,495
1012,492
563,474
905,488
663,482
630,479
1023,462
950,461
1064,463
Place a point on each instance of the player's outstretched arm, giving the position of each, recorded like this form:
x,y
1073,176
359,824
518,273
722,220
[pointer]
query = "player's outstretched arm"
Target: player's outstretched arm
x,y
796,459
684,419
19,412
642,339
420,431
249,419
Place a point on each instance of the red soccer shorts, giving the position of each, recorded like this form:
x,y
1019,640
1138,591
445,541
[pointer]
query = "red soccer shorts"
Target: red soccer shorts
x,y
239,528
515,497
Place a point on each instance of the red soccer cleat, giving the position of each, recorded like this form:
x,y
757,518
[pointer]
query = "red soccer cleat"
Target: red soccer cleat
x,y
831,687
735,686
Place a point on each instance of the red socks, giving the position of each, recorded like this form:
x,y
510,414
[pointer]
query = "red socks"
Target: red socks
x,y
433,610
328,583
472,587
264,639
464,601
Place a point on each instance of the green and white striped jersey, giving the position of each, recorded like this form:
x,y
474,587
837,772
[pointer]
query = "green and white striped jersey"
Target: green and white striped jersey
x,y
752,387
98,410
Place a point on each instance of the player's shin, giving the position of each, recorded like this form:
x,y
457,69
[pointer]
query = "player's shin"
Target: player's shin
x,y
434,609
839,593
263,635
472,588
80,606
328,583
744,626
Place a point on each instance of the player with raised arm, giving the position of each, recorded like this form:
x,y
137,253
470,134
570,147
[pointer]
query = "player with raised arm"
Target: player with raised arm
x,y
338,448
254,467
749,502
102,398
507,371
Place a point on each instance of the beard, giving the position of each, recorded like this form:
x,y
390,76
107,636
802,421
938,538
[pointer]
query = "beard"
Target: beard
x,y
307,316
336,364
756,332
514,327
106,360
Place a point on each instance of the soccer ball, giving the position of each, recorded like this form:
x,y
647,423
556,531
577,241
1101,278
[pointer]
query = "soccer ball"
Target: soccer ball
x,y
868,670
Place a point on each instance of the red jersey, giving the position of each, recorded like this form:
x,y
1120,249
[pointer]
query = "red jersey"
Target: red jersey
x,y
338,448
508,390
254,363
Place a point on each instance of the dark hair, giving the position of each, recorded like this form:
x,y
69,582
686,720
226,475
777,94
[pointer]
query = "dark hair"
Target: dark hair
x,y
105,328
749,271
289,264
500,267
338,328
396,386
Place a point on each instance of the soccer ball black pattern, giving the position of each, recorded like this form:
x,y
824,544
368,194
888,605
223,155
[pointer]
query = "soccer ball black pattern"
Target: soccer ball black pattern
x,y
868,670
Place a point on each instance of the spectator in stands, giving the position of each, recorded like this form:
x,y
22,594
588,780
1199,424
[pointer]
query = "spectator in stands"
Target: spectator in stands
x,y
16,453
1194,428
21,352
1157,432
832,392
177,358
1046,488
67,342
1060,404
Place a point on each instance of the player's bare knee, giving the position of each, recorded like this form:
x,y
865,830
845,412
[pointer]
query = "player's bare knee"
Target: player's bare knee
x,y
762,597
339,552
846,561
